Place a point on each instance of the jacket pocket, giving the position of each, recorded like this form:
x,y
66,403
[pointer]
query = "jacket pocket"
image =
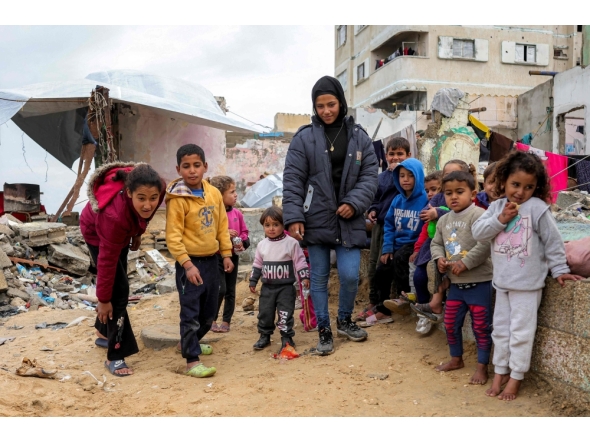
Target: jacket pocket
x,y
308,198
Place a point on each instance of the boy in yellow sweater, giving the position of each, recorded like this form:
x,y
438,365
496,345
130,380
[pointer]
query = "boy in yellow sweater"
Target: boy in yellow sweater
x,y
196,229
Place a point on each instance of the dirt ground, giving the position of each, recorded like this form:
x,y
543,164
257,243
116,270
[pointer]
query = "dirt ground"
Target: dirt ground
x,y
248,382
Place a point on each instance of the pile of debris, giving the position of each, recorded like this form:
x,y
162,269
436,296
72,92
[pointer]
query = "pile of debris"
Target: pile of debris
x,y
572,213
48,264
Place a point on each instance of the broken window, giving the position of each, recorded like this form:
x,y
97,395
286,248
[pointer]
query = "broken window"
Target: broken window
x,y
464,48
343,79
525,53
341,30
559,53
579,28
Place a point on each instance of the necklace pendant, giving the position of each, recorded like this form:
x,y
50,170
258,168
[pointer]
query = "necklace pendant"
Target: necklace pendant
x,y
332,148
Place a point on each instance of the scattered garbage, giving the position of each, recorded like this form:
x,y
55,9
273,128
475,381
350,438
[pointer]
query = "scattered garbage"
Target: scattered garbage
x,y
53,326
287,353
77,321
31,368
6,340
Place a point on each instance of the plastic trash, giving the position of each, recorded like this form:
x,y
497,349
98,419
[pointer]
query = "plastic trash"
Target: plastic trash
x,y
287,352
305,293
238,245
423,325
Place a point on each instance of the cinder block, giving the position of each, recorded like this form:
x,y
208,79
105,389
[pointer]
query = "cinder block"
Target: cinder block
x,y
37,234
562,356
557,306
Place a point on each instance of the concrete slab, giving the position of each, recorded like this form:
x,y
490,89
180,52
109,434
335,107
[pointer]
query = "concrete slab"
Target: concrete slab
x,y
5,229
167,285
3,283
69,257
4,261
37,234
14,293
164,336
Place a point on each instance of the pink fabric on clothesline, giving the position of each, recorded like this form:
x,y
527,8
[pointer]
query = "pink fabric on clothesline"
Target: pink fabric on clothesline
x,y
556,165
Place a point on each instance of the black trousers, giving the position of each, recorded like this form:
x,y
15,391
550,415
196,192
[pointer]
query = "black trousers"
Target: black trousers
x,y
227,289
118,330
198,304
279,299
397,271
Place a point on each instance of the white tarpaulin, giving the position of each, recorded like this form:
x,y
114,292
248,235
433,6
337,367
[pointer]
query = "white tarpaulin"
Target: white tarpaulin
x,y
173,97
261,193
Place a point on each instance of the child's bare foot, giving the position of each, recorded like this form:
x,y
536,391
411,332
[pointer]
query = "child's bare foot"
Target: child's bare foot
x,y
454,364
510,392
481,375
436,303
497,383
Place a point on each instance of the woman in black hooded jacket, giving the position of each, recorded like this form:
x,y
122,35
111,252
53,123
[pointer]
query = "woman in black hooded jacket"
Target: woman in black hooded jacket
x,y
329,182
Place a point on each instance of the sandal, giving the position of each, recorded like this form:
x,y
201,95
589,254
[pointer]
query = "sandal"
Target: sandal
x,y
215,328
408,297
223,329
200,371
363,315
372,320
116,365
426,310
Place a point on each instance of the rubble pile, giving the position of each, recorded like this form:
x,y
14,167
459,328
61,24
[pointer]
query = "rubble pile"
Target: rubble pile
x,y
572,213
45,264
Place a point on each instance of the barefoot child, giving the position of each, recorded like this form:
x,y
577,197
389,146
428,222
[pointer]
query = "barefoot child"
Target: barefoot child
x,y
525,246
279,262
196,229
123,198
468,265
237,229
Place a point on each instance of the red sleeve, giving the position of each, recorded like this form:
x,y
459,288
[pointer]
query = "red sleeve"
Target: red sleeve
x,y
421,239
113,236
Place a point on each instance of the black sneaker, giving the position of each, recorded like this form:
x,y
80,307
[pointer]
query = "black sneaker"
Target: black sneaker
x,y
263,342
349,329
286,341
326,344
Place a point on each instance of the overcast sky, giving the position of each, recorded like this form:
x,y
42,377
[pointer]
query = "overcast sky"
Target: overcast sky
x,y
260,70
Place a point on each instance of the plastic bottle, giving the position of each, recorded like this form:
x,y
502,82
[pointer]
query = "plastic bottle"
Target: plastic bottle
x,y
305,293
238,247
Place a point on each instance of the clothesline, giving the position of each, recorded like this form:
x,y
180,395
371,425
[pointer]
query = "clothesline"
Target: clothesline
x,y
571,188
569,166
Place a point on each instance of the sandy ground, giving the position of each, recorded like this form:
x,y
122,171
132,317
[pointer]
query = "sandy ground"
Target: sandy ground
x,y
247,383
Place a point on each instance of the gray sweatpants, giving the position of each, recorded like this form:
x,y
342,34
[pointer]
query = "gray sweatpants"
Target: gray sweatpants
x,y
515,324
279,299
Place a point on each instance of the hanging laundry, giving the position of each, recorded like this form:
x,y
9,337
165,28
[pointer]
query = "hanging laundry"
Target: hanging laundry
x,y
484,150
556,165
380,153
481,130
499,146
580,129
583,175
527,139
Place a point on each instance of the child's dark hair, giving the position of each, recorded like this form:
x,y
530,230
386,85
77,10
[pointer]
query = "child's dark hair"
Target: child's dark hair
x,y
528,163
460,176
222,183
188,150
140,175
398,142
489,171
274,212
437,175
468,168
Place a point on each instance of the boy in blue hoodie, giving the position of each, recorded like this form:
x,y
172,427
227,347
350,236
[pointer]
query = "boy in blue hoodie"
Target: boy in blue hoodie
x,y
402,228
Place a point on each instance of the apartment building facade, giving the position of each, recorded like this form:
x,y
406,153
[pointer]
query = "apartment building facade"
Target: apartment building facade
x,y
394,67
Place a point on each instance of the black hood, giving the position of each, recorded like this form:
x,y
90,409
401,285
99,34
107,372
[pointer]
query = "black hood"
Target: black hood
x,y
330,85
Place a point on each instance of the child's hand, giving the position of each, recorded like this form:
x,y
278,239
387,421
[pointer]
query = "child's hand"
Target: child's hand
x,y
193,275
305,283
253,289
429,214
509,212
442,265
413,256
233,233
372,216
228,265
568,277
386,257
458,268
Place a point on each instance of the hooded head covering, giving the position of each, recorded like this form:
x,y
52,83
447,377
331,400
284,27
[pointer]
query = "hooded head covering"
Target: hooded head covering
x,y
330,85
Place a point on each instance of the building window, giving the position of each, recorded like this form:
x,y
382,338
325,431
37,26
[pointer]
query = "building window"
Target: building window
x,y
341,30
525,53
360,72
343,79
464,48
359,28
579,28
559,53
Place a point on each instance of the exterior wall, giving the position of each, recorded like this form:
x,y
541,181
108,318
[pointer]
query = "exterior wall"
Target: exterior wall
x,y
146,136
571,91
290,123
499,83
252,157
533,108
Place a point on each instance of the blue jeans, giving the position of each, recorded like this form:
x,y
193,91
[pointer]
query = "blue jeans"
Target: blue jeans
x,y
349,261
